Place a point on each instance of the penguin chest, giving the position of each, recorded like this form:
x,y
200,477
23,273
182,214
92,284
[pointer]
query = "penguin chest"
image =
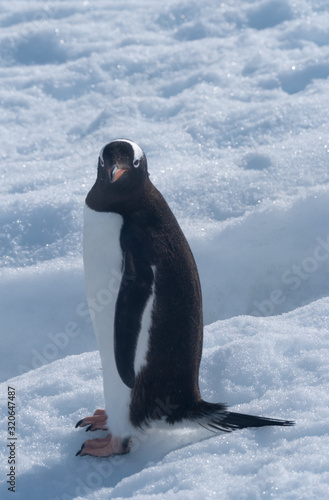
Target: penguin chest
x,y
102,258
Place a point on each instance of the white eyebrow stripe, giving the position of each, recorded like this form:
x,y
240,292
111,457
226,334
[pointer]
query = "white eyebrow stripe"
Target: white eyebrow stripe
x,y
138,152
101,156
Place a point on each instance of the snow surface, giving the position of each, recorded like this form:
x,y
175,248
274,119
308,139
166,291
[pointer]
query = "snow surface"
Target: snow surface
x,y
229,101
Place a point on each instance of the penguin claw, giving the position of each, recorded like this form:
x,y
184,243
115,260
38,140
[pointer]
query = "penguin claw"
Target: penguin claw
x,y
126,442
78,452
94,423
105,447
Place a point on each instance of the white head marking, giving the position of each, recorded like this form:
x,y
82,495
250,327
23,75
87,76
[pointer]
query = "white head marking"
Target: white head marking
x,y
138,152
101,159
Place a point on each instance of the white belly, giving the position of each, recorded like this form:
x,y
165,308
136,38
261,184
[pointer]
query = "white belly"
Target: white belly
x,y
102,258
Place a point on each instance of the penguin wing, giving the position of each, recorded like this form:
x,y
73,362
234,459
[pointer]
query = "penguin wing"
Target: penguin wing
x,y
135,289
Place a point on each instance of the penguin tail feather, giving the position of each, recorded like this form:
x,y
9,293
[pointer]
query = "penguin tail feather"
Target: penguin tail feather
x,y
215,417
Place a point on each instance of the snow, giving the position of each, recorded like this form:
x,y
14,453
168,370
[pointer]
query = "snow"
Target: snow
x,y
229,101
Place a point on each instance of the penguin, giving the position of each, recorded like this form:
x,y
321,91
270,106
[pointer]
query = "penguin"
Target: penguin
x,y
144,296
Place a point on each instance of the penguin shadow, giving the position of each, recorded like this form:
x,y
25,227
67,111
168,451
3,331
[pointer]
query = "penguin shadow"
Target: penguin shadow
x,y
148,449
69,477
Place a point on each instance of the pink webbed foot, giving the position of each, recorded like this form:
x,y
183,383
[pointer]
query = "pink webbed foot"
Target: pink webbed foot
x,y
105,447
95,423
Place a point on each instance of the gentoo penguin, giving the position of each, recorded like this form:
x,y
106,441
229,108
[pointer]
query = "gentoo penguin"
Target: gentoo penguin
x,y
145,301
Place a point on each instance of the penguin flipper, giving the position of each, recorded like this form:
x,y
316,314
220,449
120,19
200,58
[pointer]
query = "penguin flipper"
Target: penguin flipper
x,y
135,289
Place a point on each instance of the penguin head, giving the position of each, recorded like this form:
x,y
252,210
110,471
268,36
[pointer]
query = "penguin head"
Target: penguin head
x,y
122,162
121,175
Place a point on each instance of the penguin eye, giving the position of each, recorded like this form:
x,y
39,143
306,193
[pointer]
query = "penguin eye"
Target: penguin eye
x,y
136,163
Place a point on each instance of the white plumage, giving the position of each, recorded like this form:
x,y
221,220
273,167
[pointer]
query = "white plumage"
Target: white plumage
x,y
103,264
144,335
102,258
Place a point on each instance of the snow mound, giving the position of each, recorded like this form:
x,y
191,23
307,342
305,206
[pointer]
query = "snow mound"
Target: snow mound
x,y
274,366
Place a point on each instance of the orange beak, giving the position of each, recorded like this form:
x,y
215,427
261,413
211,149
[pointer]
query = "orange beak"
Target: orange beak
x,y
115,173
